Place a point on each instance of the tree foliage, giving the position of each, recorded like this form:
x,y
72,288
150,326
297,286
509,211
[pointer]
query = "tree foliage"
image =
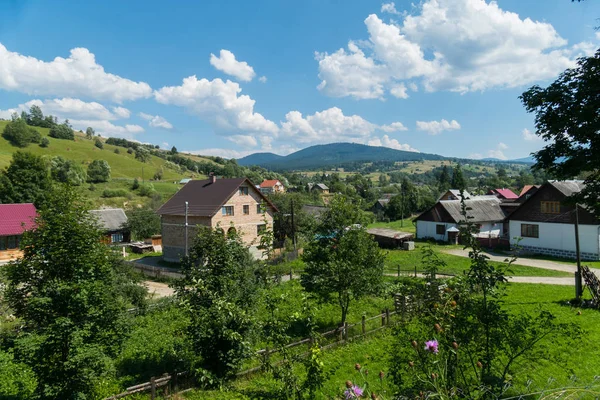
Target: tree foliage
x,y
142,223
98,171
26,180
62,131
67,171
98,143
142,154
458,179
65,289
218,292
19,134
566,117
89,132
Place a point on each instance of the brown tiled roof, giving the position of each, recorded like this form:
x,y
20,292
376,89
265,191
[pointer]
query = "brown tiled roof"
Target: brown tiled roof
x,y
205,198
268,183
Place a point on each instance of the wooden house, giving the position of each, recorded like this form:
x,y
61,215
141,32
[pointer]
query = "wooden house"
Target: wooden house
x,y
15,219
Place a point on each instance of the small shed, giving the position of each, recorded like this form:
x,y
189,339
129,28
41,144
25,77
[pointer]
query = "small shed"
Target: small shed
x,y
390,238
112,221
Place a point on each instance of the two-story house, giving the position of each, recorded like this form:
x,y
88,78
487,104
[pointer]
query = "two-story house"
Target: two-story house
x,y
230,204
545,223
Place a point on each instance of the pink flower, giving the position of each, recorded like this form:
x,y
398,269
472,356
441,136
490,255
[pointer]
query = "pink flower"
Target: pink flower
x,y
432,346
353,393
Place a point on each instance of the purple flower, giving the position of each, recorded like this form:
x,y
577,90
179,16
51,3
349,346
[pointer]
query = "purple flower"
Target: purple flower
x,y
353,393
432,346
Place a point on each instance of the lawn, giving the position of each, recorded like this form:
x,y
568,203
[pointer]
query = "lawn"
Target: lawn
x,y
405,225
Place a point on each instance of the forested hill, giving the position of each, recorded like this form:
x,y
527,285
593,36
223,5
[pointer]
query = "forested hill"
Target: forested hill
x,y
333,155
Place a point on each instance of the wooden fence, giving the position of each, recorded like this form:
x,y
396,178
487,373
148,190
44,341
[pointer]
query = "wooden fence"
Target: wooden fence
x,y
172,383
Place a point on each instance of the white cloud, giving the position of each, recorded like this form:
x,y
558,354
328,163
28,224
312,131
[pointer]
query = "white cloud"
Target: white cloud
x,y
77,75
455,45
498,152
219,103
399,91
121,112
107,128
165,145
69,108
156,121
263,79
389,8
385,141
530,136
502,146
225,153
393,127
437,127
227,63
244,140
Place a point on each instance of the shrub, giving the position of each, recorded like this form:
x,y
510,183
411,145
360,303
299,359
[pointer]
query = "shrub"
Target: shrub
x,y
117,151
136,184
98,171
158,175
109,193
19,134
98,143
62,131
130,151
45,142
146,189
18,380
142,154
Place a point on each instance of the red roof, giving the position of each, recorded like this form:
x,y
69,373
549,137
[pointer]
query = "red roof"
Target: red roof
x,y
269,183
506,193
526,189
16,218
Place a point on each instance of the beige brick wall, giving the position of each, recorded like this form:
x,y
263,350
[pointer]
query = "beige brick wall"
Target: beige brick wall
x,y
173,230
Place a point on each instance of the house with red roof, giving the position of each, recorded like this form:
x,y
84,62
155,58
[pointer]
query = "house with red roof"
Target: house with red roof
x,y
528,191
14,220
503,194
271,186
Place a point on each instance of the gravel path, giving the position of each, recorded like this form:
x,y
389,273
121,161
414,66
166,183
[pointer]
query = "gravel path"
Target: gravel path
x,y
158,290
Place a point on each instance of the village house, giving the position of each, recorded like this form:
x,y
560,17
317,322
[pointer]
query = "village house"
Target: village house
x,y
441,222
527,192
503,194
454,194
112,223
545,223
233,205
14,220
319,187
271,186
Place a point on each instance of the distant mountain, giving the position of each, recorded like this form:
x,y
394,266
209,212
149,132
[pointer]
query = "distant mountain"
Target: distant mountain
x,y
528,160
259,159
331,155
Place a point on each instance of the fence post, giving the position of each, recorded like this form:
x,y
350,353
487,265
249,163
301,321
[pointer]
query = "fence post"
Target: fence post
x,y
387,316
291,274
415,271
364,328
152,388
383,318
341,335
345,331
175,388
398,270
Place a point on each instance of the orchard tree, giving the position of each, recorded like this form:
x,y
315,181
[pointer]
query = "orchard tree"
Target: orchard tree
x,y
98,171
26,180
66,291
566,117
218,292
142,154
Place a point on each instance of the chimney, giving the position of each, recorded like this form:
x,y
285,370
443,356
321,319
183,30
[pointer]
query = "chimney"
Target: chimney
x,y
212,177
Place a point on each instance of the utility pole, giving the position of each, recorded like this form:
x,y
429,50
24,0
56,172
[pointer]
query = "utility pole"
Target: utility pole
x,y
293,225
186,228
578,282
402,214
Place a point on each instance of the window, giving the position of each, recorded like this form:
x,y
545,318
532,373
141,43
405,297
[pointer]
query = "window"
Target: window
x,y
227,210
243,190
440,229
2,242
551,207
530,230
246,209
13,242
261,229
259,209
116,238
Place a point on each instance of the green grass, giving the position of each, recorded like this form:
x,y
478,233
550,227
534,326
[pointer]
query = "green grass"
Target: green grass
x,y
405,225
455,265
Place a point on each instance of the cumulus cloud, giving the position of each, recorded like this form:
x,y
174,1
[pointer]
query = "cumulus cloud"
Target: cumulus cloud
x,y
70,108
107,128
385,141
471,45
219,103
389,8
393,127
121,112
530,136
77,75
227,63
399,91
156,121
437,127
498,152
244,140
263,79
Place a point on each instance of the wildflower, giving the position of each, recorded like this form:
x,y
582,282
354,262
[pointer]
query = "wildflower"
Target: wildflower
x,y
432,346
353,392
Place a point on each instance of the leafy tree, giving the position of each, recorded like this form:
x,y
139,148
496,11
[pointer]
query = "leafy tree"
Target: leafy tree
x,y
566,118
218,293
142,223
458,179
173,150
19,134
98,143
36,116
18,380
89,132
65,289
346,266
340,214
158,175
142,154
444,179
26,180
67,171
136,184
98,171
45,142
62,131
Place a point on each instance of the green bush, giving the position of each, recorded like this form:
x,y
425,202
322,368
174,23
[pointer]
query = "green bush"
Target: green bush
x,y
98,143
62,131
45,142
98,171
19,134
109,193
146,189
117,151
18,380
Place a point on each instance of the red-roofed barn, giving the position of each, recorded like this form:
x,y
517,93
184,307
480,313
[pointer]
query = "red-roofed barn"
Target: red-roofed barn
x,y
14,220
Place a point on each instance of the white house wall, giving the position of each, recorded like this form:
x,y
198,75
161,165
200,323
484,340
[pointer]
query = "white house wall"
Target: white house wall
x,y
558,239
427,229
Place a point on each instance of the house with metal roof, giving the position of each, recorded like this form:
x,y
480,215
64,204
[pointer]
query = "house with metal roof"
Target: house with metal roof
x,y
233,205
112,221
503,194
441,222
545,223
15,219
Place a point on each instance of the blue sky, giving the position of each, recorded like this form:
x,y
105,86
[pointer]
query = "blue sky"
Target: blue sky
x,y
236,77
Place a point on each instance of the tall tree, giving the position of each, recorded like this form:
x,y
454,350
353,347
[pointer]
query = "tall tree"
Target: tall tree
x,y
566,117
36,116
89,132
26,180
444,179
98,171
19,134
458,179
65,290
